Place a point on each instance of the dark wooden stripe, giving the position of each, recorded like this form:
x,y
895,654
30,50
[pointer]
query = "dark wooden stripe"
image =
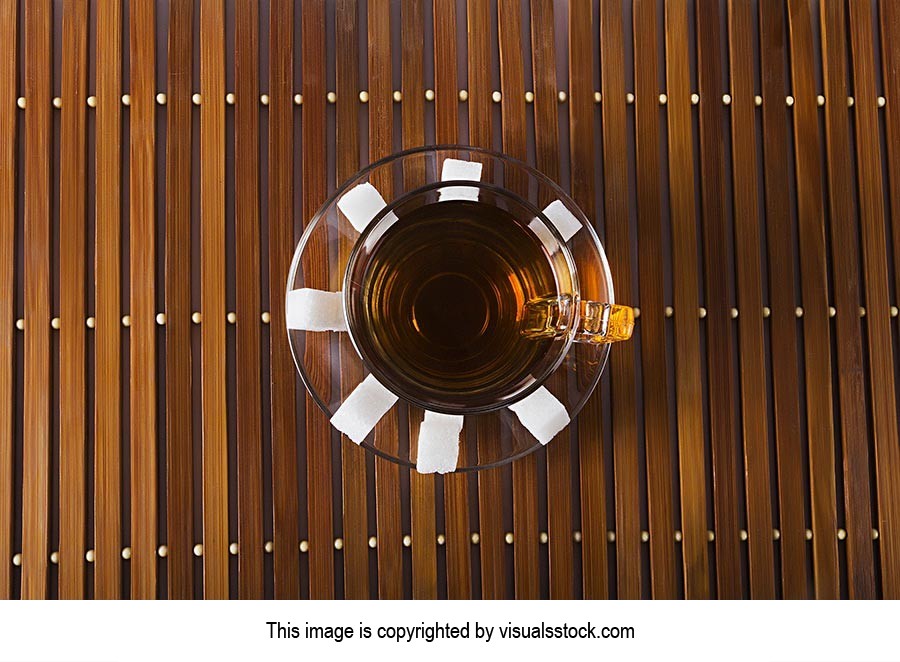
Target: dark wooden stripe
x,y
750,322
446,117
889,13
652,320
422,495
890,56
783,298
718,322
72,237
546,138
816,332
424,533
490,482
625,440
179,435
387,473
688,384
877,297
286,498
212,308
36,423
844,237
247,272
318,430
7,282
142,22
353,458
107,333
512,87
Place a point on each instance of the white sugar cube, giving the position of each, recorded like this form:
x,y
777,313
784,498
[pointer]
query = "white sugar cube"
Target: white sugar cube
x,y
361,204
438,443
563,219
542,414
315,310
458,170
362,409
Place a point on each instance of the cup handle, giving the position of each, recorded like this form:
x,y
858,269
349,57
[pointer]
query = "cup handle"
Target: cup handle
x,y
600,323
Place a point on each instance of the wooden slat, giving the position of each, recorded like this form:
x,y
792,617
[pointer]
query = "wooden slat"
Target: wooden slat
x,y
142,22
582,32
446,129
36,441
653,330
845,243
387,473
212,307
889,13
750,323
624,423
783,299
490,481
247,277
72,236
107,333
424,533
512,87
179,434
353,458
718,322
890,57
421,486
318,430
816,331
688,385
877,298
286,497
546,138
7,283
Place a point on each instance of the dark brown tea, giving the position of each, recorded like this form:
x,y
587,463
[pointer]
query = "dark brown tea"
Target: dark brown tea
x,y
437,305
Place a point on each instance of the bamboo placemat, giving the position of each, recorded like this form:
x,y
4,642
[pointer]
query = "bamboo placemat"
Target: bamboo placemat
x,y
158,162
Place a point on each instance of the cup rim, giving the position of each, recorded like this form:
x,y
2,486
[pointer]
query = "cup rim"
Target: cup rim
x,y
538,381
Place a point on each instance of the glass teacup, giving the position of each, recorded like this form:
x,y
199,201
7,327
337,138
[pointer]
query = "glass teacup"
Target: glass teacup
x,y
457,282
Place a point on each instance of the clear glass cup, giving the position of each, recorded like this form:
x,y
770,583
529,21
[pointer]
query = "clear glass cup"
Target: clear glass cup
x,y
570,323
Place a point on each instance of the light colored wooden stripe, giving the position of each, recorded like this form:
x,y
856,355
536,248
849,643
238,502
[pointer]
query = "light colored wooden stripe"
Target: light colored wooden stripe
x,y
7,282
281,246
36,423
421,486
318,429
247,239
212,288
353,458
783,299
877,297
387,473
845,251
143,300
625,440
688,383
512,71
750,327
816,332
653,332
179,433
107,333
72,237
